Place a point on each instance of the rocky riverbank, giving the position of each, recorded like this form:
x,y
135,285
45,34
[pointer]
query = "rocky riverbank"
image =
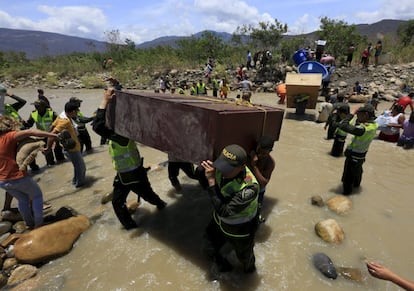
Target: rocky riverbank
x,y
388,80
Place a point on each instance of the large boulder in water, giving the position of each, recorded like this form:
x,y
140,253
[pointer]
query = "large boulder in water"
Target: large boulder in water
x,y
330,231
339,204
50,241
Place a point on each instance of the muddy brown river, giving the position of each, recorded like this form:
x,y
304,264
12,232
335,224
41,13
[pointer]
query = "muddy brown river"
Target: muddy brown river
x,y
165,252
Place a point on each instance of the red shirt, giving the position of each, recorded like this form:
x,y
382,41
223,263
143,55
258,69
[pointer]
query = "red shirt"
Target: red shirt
x,y
9,170
405,101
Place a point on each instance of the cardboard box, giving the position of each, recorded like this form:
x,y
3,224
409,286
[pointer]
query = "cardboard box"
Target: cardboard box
x,y
308,84
189,127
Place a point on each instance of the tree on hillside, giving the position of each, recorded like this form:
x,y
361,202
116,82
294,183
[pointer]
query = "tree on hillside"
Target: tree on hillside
x,y
406,32
289,46
210,45
266,36
187,50
338,35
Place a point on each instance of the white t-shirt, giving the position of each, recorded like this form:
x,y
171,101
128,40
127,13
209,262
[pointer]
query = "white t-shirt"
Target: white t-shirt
x,y
324,109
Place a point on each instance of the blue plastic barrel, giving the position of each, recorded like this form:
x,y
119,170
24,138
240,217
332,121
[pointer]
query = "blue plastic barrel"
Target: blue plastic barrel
x,y
313,67
299,57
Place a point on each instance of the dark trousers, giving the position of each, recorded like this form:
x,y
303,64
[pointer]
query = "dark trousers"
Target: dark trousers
x,y
140,185
50,158
174,169
84,139
243,246
188,169
352,174
338,146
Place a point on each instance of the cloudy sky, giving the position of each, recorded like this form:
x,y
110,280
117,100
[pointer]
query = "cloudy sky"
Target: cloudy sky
x,y
144,20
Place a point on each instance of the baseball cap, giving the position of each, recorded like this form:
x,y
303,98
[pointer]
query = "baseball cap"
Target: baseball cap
x,y
75,100
231,157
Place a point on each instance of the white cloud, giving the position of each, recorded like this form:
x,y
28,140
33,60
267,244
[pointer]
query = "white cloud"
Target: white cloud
x,y
227,15
73,20
80,21
305,24
388,9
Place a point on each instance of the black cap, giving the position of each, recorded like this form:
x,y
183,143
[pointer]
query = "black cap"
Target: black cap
x,y
266,143
40,102
75,100
231,157
367,108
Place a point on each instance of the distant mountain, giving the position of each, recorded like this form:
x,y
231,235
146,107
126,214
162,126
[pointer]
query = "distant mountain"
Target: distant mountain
x,y
386,26
173,40
37,43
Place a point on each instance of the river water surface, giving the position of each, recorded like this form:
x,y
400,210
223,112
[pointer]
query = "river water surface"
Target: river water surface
x,y
165,253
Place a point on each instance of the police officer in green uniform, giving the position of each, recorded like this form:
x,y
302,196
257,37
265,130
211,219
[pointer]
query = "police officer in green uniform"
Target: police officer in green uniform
x,y
201,88
193,89
342,111
126,160
43,116
364,132
233,191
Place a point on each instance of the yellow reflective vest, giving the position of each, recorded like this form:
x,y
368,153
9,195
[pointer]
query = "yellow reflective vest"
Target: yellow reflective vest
x,y
248,214
43,122
124,158
360,144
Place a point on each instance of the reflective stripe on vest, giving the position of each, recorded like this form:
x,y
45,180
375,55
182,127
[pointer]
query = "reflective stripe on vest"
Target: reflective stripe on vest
x,y
124,158
233,187
43,122
360,144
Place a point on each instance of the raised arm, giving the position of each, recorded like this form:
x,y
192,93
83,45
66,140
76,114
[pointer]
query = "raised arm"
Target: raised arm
x,y
22,134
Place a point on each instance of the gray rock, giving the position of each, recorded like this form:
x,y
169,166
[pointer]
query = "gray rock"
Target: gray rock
x,y
325,265
5,226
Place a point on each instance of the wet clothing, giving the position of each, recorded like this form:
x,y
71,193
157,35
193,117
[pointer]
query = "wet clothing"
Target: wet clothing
x,y
18,184
356,151
235,217
130,176
339,142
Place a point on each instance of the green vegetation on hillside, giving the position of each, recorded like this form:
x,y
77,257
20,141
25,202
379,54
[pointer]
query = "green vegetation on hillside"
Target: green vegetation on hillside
x,y
141,66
